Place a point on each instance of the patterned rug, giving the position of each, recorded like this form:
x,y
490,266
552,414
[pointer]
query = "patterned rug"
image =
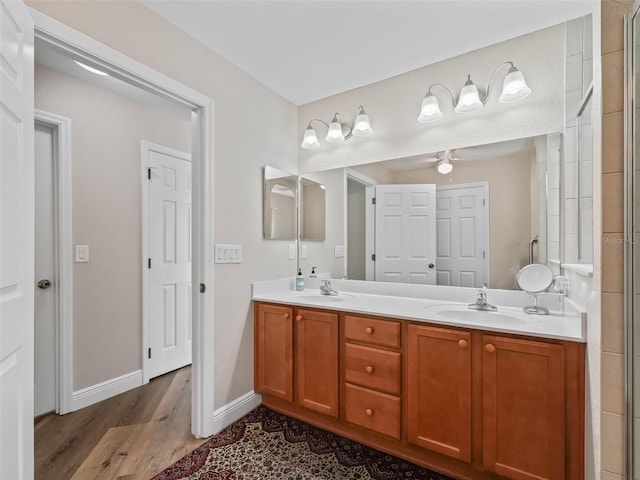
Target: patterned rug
x,y
265,445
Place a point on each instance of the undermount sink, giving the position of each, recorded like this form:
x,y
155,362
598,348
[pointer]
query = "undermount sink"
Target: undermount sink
x,y
464,313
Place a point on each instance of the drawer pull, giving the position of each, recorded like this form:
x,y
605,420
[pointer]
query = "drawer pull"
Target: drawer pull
x,y
369,369
489,348
298,317
286,315
369,330
462,343
369,412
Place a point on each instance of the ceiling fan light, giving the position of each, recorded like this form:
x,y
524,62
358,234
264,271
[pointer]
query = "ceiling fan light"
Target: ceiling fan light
x,y
469,100
362,126
514,87
335,135
430,111
444,166
310,139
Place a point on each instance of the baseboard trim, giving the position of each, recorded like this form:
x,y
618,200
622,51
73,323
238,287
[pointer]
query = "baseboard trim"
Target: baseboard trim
x,y
229,413
107,389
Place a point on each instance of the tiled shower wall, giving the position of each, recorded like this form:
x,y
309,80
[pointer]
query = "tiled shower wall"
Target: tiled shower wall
x,y
612,244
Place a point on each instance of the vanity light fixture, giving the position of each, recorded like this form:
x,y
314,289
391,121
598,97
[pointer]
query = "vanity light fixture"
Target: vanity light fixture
x,y
514,87
337,131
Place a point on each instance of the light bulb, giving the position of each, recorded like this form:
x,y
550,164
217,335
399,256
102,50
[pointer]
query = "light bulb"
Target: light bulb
x,y
444,167
430,111
335,135
469,100
362,127
514,87
310,139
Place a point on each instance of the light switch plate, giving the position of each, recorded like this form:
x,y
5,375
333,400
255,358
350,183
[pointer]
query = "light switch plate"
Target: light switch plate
x,y
292,251
82,254
228,253
338,251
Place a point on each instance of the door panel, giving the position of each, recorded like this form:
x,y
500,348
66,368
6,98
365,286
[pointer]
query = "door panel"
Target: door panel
x,y
462,250
169,207
44,317
17,221
405,235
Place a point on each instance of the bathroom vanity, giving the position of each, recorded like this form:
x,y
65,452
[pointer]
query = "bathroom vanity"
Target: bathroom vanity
x,y
473,397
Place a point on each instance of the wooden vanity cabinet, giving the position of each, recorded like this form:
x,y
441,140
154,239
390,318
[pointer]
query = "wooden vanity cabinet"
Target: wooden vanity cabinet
x,y
469,403
439,390
523,419
297,344
317,361
273,349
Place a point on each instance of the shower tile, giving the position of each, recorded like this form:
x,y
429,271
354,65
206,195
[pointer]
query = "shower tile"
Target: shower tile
x,y
572,102
586,143
571,180
613,263
586,248
587,36
612,142
613,322
587,78
571,248
612,377
613,202
612,82
613,448
571,216
574,73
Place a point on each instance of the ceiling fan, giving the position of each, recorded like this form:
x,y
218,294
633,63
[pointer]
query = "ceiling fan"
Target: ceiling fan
x,y
444,160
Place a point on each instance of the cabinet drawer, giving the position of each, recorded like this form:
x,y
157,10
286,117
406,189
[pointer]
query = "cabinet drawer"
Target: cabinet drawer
x,y
372,368
373,410
385,333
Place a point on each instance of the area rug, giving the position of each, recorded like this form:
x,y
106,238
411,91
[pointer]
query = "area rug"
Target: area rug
x,y
265,445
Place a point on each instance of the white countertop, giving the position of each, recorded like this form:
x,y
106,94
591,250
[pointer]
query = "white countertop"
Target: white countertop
x,y
437,305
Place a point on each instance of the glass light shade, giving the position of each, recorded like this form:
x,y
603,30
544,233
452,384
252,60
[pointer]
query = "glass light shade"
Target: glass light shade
x,y
335,135
430,111
362,127
310,139
469,100
514,87
444,167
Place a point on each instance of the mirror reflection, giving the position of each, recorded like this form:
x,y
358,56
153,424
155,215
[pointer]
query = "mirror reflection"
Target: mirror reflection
x,y
312,210
279,204
478,224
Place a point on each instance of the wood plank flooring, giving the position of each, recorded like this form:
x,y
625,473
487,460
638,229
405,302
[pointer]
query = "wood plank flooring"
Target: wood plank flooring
x,y
132,436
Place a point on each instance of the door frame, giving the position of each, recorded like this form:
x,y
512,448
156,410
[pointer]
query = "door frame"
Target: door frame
x,y
369,221
486,219
119,65
63,259
145,148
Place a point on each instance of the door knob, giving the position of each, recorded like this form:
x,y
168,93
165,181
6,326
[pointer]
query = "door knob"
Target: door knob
x,y
431,265
44,284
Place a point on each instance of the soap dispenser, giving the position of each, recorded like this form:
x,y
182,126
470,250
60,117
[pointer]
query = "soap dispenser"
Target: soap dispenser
x,y
299,281
313,272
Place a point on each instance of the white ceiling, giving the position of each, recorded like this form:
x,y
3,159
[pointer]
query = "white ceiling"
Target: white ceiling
x,y
306,50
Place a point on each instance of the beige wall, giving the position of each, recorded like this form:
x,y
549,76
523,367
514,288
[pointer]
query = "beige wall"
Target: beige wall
x,y
539,55
242,106
106,132
612,245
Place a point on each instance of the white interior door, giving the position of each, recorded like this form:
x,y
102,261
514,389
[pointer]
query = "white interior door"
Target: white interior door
x,y
462,223
169,261
405,234
16,241
45,275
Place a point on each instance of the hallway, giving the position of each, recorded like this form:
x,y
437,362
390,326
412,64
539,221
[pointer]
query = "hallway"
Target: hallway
x,y
131,436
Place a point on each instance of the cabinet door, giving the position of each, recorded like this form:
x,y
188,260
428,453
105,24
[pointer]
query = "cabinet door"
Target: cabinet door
x,y
317,361
274,351
523,408
439,390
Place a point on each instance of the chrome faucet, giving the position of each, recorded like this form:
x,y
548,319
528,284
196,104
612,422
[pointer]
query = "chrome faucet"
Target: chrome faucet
x,y
326,289
481,301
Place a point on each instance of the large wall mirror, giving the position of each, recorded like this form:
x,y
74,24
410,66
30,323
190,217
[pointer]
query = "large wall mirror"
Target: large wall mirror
x,y
478,224
279,204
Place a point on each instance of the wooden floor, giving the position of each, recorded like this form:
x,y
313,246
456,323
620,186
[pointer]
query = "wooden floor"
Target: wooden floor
x,y
131,436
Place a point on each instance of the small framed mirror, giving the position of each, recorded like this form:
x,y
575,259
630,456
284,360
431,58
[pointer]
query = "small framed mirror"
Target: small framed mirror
x,y
279,204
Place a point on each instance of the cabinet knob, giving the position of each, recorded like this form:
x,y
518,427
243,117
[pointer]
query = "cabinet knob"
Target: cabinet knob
x,y
369,369
369,330
463,343
489,348
286,315
298,318
369,412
